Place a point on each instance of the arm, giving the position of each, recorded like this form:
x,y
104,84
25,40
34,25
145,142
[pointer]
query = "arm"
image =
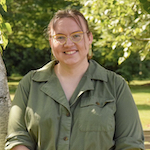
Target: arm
x,y
129,132
20,147
17,130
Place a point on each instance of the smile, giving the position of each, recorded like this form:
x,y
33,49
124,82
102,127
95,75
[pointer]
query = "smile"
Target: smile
x,y
70,52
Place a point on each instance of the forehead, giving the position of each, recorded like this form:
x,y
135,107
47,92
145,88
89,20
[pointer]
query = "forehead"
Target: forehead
x,y
69,23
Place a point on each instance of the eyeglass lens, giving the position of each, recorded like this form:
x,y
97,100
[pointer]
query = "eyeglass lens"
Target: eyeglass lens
x,y
75,37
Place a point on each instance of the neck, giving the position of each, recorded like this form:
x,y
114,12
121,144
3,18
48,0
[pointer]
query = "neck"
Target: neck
x,y
72,70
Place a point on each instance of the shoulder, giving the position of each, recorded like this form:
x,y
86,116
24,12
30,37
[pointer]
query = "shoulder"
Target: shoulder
x,y
112,81
39,75
101,73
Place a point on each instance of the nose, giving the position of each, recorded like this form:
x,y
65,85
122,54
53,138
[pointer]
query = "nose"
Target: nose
x,y
68,42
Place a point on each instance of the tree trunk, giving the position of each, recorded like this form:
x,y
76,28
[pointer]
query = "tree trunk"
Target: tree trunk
x,y
5,103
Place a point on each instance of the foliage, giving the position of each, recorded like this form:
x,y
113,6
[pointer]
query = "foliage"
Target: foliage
x,y
119,23
133,67
130,68
28,47
29,18
145,4
21,60
5,27
121,28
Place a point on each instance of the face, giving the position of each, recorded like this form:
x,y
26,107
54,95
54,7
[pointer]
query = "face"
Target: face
x,y
70,53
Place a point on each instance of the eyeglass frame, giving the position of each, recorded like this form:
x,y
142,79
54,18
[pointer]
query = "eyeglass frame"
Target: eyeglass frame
x,y
66,37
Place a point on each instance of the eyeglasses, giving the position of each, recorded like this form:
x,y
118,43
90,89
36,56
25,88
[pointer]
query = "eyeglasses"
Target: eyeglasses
x,y
75,37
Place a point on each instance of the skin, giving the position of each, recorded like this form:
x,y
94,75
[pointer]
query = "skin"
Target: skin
x,y
71,55
20,147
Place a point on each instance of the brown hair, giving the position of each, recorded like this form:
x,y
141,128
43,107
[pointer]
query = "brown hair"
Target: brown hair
x,y
74,14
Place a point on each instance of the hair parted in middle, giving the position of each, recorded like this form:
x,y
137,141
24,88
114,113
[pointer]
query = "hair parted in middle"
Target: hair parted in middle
x,y
69,13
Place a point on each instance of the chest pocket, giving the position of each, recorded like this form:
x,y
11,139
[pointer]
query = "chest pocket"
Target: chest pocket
x,y
97,114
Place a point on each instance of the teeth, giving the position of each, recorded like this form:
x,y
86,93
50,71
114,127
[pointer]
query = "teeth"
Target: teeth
x,y
70,52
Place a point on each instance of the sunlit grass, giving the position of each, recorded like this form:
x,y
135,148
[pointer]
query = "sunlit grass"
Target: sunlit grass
x,y
140,82
141,93
13,83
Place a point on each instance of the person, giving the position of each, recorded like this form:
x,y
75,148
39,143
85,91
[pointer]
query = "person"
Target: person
x,y
73,103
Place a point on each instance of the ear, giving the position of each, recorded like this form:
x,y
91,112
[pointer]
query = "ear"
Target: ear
x,y
90,38
50,42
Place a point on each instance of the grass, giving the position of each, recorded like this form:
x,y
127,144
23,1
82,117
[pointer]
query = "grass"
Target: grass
x,y
140,91
13,83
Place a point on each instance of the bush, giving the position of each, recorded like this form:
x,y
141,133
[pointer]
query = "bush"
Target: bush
x,y
20,60
133,68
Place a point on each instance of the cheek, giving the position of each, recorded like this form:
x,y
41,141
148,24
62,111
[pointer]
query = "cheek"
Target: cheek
x,y
53,53
85,47
56,50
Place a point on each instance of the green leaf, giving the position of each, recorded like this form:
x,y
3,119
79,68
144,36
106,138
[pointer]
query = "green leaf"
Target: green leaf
x,y
1,51
121,60
5,41
8,27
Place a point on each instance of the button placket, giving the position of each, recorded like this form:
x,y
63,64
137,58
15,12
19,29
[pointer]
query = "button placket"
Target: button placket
x,y
65,128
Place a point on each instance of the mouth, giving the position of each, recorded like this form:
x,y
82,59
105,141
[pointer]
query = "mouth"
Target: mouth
x,y
70,52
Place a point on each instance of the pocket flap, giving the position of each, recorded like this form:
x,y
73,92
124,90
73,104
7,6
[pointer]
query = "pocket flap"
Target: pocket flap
x,y
100,102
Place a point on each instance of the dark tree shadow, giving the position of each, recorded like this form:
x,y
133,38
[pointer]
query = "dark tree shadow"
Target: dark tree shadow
x,y
143,107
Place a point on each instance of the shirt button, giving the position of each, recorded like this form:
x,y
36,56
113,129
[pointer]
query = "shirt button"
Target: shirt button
x,y
65,138
68,114
97,103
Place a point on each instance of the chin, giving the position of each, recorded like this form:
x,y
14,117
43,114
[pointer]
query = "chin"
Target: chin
x,y
71,62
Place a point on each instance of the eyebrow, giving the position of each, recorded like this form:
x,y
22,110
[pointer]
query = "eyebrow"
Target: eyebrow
x,y
71,33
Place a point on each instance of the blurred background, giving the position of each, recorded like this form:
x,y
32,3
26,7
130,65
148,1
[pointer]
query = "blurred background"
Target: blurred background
x,y
121,30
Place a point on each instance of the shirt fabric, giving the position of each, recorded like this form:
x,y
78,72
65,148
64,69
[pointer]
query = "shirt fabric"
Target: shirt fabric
x,y
101,114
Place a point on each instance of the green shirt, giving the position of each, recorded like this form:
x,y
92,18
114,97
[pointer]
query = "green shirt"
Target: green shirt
x,y
101,114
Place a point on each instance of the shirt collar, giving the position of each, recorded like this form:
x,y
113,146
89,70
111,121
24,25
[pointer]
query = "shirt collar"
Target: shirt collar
x,y
94,71
44,73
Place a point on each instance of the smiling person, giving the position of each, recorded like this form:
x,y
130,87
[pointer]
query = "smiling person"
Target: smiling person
x,y
73,103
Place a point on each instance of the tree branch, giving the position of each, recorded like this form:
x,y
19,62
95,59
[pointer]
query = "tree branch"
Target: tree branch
x,y
142,39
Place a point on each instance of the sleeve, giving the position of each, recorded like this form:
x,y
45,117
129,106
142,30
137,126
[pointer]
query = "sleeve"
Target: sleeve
x,y
17,131
128,132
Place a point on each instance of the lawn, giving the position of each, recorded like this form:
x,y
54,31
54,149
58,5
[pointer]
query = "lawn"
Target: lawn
x,y
140,91
13,83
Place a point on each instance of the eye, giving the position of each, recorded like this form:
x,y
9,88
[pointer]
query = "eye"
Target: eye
x,y
77,35
60,37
